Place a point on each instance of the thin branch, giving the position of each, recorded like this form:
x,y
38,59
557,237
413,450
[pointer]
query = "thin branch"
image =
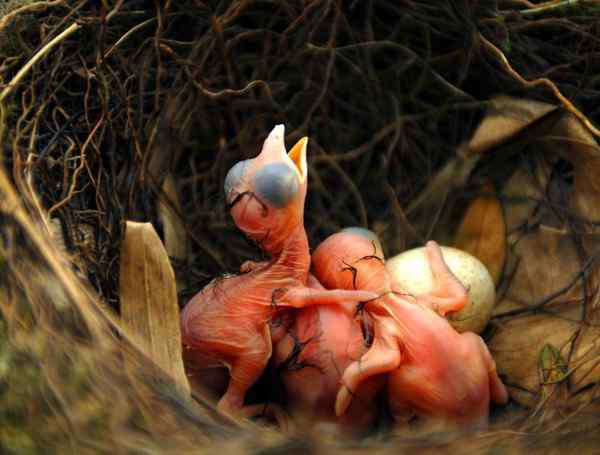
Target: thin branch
x,y
552,6
546,300
36,58
543,81
30,8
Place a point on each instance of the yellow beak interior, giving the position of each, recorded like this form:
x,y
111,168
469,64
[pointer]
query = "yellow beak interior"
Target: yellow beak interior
x,y
298,155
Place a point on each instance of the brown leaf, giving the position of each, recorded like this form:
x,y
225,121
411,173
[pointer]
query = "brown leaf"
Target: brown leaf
x,y
169,212
516,347
506,117
546,262
586,366
581,149
518,343
482,233
165,134
524,191
565,137
548,278
148,299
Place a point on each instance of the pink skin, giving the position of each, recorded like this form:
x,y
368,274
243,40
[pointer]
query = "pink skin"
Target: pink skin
x,y
433,371
329,338
227,323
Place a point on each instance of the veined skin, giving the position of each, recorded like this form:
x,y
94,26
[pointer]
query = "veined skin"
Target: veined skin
x,y
227,323
325,340
433,371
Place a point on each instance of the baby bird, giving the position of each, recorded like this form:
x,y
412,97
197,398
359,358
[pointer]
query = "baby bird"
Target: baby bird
x,y
433,371
227,323
320,344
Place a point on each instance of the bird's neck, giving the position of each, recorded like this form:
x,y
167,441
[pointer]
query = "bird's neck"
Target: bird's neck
x,y
294,257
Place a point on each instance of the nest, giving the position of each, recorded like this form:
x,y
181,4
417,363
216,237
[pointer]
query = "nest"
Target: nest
x,y
135,111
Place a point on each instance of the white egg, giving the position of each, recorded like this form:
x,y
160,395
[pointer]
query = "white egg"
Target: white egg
x,y
411,271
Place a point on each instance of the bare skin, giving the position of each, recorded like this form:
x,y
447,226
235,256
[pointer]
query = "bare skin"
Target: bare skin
x,y
321,343
433,371
227,323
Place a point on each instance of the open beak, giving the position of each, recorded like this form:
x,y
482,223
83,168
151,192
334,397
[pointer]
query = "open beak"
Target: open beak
x,y
298,156
274,150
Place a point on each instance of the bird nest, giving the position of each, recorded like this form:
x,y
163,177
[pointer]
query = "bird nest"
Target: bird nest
x,y
471,122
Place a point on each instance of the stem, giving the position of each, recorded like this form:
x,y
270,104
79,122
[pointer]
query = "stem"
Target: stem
x,y
568,105
36,58
555,6
30,8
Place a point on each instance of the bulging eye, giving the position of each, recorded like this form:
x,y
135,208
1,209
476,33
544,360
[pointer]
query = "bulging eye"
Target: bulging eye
x,y
277,184
234,176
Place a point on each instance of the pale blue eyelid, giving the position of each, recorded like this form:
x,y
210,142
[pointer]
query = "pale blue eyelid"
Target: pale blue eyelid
x,y
234,176
277,184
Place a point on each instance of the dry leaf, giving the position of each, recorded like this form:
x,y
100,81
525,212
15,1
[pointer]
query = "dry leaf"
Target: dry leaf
x,y
516,347
570,140
524,191
547,261
148,299
482,233
518,342
585,197
165,135
506,117
586,367
582,150
548,277
169,212
553,368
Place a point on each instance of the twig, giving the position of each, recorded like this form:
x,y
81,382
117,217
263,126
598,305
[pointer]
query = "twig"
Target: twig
x,y
36,58
77,170
528,4
538,306
115,10
551,6
130,32
31,8
542,81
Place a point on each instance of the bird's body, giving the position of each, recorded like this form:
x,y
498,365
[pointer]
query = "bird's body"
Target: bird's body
x,y
433,371
227,323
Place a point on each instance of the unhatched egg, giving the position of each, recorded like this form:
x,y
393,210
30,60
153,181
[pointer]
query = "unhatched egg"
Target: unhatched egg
x,y
411,271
